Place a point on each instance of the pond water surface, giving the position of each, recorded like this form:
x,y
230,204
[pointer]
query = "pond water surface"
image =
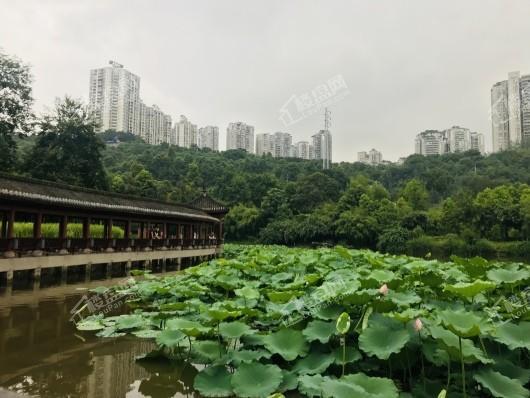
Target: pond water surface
x,y
43,355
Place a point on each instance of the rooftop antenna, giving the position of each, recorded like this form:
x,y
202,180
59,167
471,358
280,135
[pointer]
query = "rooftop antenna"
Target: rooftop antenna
x,y
327,119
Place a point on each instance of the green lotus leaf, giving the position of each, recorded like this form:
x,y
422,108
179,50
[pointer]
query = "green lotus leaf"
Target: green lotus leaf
x,y
408,315
403,299
134,321
90,324
343,252
179,306
462,323
314,363
508,276
288,343
319,330
382,275
470,290
170,338
248,355
282,297
248,293
276,395
256,379
207,351
509,369
311,385
501,386
109,332
514,335
191,328
214,381
383,337
343,324
450,343
289,382
328,312
359,385
146,333
352,355
234,330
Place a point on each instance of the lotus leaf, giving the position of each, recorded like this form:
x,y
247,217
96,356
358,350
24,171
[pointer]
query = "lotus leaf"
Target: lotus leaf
x,y
359,385
314,363
469,290
311,385
256,379
501,386
508,276
462,323
214,381
319,330
288,343
514,335
383,337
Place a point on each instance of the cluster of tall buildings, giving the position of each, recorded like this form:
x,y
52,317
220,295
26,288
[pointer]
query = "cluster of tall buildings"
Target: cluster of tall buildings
x,y
114,97
453,140
372,157
510,112
280,145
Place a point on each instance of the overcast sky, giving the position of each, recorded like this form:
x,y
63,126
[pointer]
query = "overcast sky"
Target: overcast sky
x,y
408,65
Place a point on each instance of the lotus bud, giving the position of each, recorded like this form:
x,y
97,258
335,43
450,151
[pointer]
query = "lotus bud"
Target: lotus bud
x,y
383,290
418,325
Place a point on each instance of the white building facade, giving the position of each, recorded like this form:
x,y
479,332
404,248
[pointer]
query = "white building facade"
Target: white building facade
x,y
209,137
372,157
184,133
510,112
240,136
323,147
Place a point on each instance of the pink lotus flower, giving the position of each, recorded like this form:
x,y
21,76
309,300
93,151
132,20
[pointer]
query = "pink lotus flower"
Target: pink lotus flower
x,y
383,290
418,325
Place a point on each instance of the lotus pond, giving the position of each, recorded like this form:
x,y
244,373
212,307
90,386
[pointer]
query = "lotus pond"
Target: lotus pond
x,y
275,321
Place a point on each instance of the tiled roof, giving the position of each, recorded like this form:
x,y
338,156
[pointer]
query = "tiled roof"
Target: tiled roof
x,y
206,203
26,189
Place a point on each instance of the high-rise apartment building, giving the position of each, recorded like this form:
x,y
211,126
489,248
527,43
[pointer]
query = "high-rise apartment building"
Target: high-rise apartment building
x,y
322,144
453,140
278,144
431,142
304,150
240,136
510,112
373,157
209,137
184,133
151,124
114,96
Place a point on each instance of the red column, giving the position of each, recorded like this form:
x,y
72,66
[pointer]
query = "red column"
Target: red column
x,y
37,226
11,224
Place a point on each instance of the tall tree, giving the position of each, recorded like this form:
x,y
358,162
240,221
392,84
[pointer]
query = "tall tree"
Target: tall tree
x,y
15,106
67,148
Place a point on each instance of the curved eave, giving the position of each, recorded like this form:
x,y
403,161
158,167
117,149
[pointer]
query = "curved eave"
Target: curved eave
x,y
19,195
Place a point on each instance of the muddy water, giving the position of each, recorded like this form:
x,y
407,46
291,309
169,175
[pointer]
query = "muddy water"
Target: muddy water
x,y
43,355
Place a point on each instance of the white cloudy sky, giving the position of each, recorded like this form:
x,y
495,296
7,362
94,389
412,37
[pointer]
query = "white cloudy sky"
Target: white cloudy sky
x,y
409,65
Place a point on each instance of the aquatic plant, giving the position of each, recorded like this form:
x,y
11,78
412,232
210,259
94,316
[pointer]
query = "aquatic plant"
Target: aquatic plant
x,y
269,320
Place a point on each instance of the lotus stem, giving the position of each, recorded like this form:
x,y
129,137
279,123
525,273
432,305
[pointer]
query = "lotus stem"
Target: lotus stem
x,y
421,358
448,373
343,343
462,366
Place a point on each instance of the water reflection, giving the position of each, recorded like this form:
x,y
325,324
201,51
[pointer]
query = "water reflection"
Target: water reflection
x,y
42,354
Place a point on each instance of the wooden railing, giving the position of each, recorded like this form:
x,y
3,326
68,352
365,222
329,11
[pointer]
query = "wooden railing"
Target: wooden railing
x,y
50,246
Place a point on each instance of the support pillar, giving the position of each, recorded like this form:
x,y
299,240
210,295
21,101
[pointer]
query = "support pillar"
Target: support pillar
x,y
10,234
36,278
63,234
179,263
109,270
128,266
9,277
37,234
86,234
64,274
164,265
88,272
3,228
